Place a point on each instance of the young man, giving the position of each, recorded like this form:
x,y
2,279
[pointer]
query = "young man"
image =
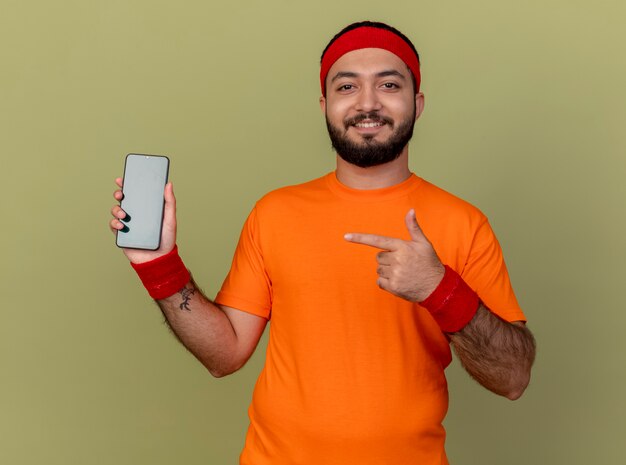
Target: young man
x,y
367,274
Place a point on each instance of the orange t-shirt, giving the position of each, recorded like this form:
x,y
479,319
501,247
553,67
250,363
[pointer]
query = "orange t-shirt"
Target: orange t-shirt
x,y
353,374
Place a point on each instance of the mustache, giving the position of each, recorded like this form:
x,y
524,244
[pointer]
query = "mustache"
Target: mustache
x,y
372,116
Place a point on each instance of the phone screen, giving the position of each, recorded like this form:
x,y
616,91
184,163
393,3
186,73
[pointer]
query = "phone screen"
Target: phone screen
x,y
145,177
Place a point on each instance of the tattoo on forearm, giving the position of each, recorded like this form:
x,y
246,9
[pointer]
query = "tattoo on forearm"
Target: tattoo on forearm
x,y
186,293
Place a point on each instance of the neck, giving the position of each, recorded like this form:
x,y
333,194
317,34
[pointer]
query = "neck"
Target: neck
x,y
375,177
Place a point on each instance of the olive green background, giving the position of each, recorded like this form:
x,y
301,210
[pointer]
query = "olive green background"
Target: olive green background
x,y
525,115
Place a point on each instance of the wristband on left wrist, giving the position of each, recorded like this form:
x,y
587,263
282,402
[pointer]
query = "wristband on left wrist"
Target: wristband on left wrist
x,y
453,303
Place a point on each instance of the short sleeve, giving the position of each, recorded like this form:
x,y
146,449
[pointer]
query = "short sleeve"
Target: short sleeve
x,y
247,286
486,273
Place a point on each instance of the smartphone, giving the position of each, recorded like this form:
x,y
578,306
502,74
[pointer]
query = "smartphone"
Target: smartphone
x,y
145,177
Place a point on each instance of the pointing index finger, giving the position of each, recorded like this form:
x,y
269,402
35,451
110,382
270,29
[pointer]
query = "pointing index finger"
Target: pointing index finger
x,y
373,240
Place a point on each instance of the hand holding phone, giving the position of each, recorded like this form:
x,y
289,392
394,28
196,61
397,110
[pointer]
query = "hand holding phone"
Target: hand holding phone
x,y
145,223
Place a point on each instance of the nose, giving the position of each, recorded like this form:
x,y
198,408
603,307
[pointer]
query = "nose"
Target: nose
x,y
367,100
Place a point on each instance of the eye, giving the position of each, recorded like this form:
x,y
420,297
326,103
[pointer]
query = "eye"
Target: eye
x,y
346,87
391,85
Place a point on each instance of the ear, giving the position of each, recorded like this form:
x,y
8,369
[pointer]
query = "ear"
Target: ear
x,y
419,104
323,104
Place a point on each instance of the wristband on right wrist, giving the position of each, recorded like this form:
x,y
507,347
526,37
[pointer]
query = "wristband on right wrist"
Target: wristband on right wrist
x,y
163,276
453,303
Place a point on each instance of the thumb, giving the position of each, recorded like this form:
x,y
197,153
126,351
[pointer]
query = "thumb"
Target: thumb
x,y
414,229
170,201
168,237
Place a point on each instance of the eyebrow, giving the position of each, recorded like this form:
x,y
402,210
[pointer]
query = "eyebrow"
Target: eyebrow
x,y
351,74
391,72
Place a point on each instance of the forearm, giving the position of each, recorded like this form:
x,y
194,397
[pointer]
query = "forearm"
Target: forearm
x,y
496,353
203,328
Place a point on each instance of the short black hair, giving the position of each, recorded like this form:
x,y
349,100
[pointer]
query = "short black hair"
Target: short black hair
x,y
378,25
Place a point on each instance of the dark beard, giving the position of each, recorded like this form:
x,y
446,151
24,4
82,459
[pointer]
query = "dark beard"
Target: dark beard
x,y
369,152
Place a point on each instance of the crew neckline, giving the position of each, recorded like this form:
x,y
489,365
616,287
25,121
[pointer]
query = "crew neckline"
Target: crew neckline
x,y
372,195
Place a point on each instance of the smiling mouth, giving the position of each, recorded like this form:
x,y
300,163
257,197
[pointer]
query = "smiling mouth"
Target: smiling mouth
x,y
371,124
371,121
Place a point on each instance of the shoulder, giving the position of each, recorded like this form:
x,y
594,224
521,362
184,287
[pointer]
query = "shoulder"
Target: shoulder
x,y
445,205
455,227
288,197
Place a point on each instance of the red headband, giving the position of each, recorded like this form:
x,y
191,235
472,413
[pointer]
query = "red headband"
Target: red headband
x,y
370,37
